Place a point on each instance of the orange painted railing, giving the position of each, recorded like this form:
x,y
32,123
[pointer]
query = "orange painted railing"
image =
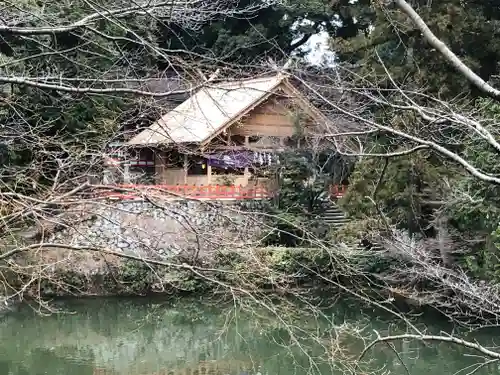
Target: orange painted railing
x,y
337,191
210,192
192,191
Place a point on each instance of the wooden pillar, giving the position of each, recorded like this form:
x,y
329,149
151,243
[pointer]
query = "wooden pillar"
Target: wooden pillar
x,y
126,174
246,173
160,158
209,174
186,166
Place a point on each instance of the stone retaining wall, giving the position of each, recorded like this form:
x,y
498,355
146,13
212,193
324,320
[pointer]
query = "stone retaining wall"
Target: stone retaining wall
x,y
165,229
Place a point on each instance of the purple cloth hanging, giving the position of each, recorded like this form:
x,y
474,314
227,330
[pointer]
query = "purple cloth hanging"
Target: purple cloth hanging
x,y
238,159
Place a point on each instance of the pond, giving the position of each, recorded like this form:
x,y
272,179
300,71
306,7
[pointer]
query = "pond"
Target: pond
x,y
188,337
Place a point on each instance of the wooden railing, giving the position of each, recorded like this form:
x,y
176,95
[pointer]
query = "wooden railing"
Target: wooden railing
x,y
209,192
337,191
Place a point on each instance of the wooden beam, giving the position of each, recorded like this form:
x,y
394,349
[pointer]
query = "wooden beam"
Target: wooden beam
x,y
209,174
185,168
241,114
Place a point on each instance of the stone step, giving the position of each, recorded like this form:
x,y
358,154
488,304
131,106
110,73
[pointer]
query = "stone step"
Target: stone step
x,y
334,216
333,210
334,213
335,222
336,209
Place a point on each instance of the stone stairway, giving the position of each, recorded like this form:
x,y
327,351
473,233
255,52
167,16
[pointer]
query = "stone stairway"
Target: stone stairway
x,y
334,216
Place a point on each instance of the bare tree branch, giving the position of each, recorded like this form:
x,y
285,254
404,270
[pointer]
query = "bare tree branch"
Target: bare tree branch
x,y
371,124
434,338
453,59
92,90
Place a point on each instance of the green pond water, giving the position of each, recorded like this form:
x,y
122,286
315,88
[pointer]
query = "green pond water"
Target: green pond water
x,y
141,336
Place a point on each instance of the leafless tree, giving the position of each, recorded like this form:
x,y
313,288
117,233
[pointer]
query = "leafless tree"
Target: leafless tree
x,y
74,165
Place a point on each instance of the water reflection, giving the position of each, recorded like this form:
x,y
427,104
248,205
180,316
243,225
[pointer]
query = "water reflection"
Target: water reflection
x,y
140,337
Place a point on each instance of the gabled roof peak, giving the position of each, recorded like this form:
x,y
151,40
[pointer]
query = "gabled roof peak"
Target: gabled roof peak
x,y
210,110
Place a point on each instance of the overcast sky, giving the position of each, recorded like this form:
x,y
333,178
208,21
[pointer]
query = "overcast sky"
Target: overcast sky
x,y
317,47
319,51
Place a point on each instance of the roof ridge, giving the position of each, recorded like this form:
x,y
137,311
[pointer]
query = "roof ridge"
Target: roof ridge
x,y
246,80
210,109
